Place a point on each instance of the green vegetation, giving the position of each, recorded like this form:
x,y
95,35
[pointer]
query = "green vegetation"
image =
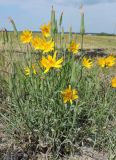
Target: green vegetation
x,y
35,112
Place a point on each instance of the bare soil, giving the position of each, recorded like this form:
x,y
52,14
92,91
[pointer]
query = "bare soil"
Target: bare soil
x,y
9,151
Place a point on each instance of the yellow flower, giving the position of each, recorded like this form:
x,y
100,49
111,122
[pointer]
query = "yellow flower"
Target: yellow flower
x,y
51,62
69,95
42,44
45,29
113,82
107,61
37,43
110,61
73,47
86,62
47,46
26,36
101,62
28,70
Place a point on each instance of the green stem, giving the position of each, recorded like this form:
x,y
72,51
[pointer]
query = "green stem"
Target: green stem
x,y
82,38
60,39
81,71
54,41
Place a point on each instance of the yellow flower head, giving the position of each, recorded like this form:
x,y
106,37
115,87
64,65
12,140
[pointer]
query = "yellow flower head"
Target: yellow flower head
x,y
101,62
45,29
69,95
107,61
26,36
42,44
37,43
113,81
51,62
73,47
86,62
110,61
47,46
28,70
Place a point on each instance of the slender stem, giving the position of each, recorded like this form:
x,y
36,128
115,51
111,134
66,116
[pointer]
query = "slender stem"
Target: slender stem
x,y
81,71
54,41
60,39
81,74
82,36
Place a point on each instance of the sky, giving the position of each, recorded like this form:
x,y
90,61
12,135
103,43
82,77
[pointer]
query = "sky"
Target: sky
x,y
100,15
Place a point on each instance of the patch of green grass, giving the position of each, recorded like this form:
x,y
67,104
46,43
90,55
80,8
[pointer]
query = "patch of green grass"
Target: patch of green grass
x,y
37,108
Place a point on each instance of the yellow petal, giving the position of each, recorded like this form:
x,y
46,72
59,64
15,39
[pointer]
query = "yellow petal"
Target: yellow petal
x,y
46,70
59,61
71,101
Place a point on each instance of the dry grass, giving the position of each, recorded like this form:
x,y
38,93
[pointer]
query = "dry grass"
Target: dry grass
x,y
90,40
96,41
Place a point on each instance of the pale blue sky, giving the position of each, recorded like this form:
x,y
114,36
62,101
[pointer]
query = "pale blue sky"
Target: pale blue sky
x,y
100,15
